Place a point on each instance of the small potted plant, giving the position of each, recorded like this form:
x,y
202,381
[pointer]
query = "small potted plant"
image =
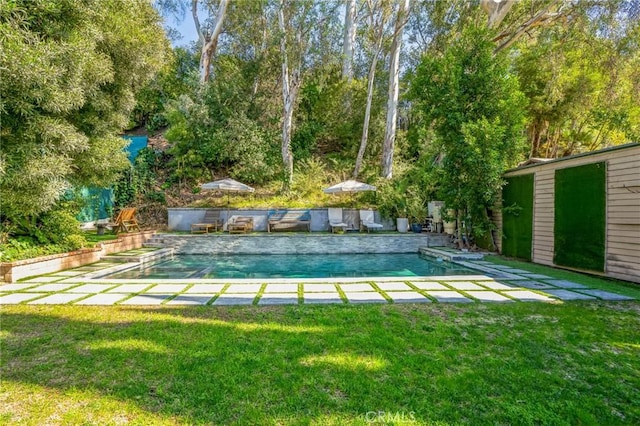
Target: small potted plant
x,y
417,211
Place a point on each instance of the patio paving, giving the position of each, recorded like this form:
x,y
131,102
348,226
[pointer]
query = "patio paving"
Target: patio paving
x,y
310,298
569,295
102,299
449,297
72,287
190,299
408,297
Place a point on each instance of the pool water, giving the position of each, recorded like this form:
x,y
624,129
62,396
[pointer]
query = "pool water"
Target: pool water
x,y
294,266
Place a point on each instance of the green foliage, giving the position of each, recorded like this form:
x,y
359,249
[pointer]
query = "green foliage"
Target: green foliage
x,y
70,70
474,107
517,216
139,179
178,77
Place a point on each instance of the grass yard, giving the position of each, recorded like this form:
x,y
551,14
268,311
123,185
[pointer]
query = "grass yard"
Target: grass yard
x,y
520,363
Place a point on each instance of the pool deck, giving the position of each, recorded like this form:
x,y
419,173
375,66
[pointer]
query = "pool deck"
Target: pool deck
x,y
493,283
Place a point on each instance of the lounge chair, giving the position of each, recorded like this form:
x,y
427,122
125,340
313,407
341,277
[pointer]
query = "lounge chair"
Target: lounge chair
x,y
287,220
211,221
335,220
240,225
367,221
126,221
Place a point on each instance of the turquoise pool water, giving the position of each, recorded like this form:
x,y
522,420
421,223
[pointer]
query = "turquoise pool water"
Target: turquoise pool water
x,y
294,266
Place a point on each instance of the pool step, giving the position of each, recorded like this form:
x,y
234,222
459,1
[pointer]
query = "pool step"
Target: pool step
x,y
139,258
450,254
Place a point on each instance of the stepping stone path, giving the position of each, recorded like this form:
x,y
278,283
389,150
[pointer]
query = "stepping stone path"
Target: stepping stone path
x,y
498,284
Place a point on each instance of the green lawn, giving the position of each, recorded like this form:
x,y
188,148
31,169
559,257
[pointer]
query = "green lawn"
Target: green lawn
x,y
520,363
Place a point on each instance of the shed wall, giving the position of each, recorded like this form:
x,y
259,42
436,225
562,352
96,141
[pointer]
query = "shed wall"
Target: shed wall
x,y
622,251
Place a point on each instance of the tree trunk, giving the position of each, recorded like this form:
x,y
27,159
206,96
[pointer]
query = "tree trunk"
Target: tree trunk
x,y
209,41
349,39
288,98
497,10
367,112
392,102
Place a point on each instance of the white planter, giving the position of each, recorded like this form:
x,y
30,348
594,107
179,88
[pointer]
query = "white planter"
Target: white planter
x,y
402,223
449,227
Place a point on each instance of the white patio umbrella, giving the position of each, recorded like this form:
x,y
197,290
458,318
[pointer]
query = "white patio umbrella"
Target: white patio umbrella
x,y
348,186
227,185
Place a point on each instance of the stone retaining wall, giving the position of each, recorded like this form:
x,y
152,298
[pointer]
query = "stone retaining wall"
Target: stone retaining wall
x,y
180,219
13,271
287,243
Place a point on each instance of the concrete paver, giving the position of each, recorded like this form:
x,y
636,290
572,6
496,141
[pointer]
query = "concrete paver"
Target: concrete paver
x,y
205,288
281,288
15,287
356,287
317,288
606,295
528,296
364,297
407,297
565,284
279,299
52,287
488,296
190,299
463,285
310,298
90,288
234,299
147,299
244,288
128,288
449,297
58,299
429,285
568,295
15,298
533,285
102,299
496,285
166,288
393,286
44,279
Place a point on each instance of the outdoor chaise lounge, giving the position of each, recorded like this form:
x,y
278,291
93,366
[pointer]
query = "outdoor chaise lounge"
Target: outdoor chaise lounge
x,y
211,221
367,221
335,220
126,221
240,225
288,219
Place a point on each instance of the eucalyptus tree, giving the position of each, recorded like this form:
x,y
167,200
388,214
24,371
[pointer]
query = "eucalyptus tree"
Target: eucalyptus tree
x,y
377,17
301,26
70,71
394,89
350,24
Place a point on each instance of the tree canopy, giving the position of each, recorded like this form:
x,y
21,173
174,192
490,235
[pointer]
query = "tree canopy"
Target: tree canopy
x,y
70,71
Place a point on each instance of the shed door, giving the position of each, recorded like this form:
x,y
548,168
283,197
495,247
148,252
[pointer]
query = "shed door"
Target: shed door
x,y
517,216
580,217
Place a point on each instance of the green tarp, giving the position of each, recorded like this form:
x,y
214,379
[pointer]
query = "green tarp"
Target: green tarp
x,y
580,217
517,216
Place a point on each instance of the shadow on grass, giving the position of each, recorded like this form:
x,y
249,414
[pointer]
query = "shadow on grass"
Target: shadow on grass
x,y
524,363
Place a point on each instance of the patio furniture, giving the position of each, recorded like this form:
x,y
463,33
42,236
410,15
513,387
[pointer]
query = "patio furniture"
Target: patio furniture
x,y
335,219
288,219
211,221
126,221
367,221
240,225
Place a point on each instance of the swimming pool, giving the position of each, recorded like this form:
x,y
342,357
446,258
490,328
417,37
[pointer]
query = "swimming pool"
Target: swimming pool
x,y
293,266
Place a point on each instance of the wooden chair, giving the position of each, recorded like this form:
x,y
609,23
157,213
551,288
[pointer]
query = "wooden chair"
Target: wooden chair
x,y
240,225
126,221
211,221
